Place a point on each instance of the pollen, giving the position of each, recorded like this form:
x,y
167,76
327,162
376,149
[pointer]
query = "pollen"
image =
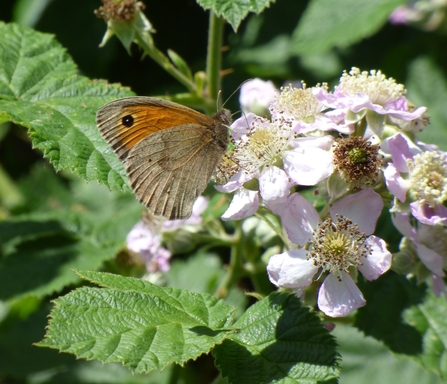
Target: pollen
x,y
428,177
357,160
338,245
299,103
262,146
375,85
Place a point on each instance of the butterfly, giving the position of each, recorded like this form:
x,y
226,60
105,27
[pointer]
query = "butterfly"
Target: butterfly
x,y
170,151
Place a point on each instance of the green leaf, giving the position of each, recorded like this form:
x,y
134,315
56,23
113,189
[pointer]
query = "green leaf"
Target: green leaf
x,y
279,341
40,90
137,323
427,86
202,273
412,320
80,227
234,11
327,24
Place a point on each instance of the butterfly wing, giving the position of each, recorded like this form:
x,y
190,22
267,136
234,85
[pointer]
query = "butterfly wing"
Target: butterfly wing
x,y
169,169
125,122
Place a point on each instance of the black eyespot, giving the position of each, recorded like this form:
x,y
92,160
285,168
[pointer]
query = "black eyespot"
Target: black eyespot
x,y
127,121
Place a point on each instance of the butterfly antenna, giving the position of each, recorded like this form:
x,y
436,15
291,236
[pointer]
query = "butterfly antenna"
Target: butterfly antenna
x,y
237,89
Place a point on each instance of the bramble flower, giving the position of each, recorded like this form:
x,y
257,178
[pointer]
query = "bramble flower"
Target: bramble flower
x,y
428,243
359,92
338,246
271,154
147,243
305,112
256,95
420,176
145,238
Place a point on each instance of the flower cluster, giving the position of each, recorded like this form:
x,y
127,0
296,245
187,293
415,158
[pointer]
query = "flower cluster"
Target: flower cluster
x,y
356,145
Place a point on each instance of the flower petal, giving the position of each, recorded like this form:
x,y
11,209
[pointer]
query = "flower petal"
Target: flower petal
x,y
274,188
430,259
363,208
291,269
396,184
427,215
245,203
378,262
299,218
339,298
308,166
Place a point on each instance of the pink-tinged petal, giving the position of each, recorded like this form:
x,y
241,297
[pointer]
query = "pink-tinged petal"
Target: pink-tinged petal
x,y
197,209
274,188
396,184
400,15
378,262
323,142
339,298
401,220
257,93
401,149
430,259
363,208
236,181
400,104
245,203
242,125
427,215
438,286
405,115
291,269
299,218
308,166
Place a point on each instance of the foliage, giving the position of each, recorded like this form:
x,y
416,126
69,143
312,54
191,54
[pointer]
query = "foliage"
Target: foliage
x,y
66,206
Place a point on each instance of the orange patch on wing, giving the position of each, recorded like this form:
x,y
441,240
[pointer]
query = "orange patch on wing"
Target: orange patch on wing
x,y
149,119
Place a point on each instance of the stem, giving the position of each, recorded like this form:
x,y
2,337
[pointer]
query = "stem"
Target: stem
x,y
274,227
214,58
164,62
236,268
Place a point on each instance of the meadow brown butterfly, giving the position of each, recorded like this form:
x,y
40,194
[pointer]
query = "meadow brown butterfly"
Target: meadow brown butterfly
x,y
170,151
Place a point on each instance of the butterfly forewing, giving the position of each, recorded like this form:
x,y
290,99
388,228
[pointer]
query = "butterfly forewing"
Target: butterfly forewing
x,y
125,122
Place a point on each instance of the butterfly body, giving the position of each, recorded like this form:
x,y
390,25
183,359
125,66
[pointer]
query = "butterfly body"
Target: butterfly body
x,y
170,151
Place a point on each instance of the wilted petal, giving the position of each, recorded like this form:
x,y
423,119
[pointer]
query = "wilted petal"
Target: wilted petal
x,y
245,203
274,188
308,166
299,218
363,208
339,298
291,269
378,262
